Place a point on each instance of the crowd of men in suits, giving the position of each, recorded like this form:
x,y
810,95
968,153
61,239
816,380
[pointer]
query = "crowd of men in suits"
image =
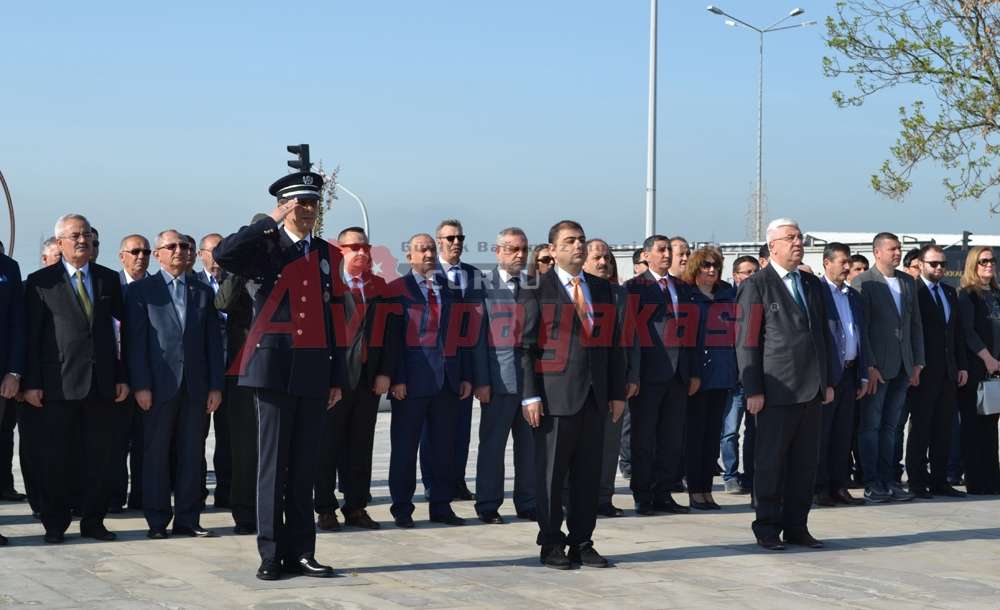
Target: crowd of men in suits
x,y
286,343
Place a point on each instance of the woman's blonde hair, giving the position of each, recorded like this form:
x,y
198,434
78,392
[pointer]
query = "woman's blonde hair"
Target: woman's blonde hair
x,y
970,275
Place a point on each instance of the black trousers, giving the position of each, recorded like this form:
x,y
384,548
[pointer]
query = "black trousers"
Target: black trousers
x,y
288,432
833,468
932,415
568,447
500,419
126,459
29,425
979,444
462,436
703,433
174,427
657,420
410,417
90,420
242,415
348,438
788,438
7,423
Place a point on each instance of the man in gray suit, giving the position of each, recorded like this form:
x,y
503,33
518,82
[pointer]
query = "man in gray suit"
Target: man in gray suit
x,y
782,355
895,356
175,361
498,381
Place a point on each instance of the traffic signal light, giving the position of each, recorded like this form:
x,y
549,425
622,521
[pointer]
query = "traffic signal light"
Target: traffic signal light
x,y
302,164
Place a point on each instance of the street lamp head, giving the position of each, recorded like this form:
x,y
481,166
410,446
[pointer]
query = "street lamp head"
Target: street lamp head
x,y
716,10
796,12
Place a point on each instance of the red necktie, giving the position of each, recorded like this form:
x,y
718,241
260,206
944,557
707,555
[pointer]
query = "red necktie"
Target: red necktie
x,y
433,310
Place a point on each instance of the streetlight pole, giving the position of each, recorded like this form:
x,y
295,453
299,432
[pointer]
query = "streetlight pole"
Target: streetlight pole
x,y
758,204
651,126
364,208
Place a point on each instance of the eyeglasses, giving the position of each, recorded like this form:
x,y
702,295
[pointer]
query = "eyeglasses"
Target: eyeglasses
x,y
87,235
513,249
356,247
138,251
183,245
936,264
985,261
706,265
453,238
545,260
790,238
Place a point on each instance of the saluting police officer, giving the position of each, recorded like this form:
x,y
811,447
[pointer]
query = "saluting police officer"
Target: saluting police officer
x,y
291,361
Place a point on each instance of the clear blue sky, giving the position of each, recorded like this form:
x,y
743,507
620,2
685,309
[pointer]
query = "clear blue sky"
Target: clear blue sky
x,y
149,117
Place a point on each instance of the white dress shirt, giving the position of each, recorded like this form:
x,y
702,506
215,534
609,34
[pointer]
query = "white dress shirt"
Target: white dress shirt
x,y
670,285
454,273
787,279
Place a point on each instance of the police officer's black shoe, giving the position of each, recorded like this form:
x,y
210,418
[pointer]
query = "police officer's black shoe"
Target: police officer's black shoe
x,y
243,529
270,569
308,566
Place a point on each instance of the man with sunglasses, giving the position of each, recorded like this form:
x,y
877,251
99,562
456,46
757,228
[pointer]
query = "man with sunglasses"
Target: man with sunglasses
x,y
348,435
932,402
467,282
292,362
133,253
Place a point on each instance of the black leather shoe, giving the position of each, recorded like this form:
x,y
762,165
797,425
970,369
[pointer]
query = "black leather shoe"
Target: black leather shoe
x,y
948,491
844,497
242,529
222,504
116,510
669,505
610,510
98,533
803,539
919,491
54,538
771,543
527,515
12,495
328,522
157,534
645,508
701,505
491,516
270,569
3,540
194,532
586,555
463,494
555,557
678,487
361,518
308,566
404,522
451,519
823,499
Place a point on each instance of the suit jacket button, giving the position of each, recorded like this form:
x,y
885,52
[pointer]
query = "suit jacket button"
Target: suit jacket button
x,y
299,331
303,299
302,314
305,282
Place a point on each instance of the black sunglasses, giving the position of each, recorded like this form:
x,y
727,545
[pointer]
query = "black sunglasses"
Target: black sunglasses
x,y
357,247
706,265
985,261
183,245
546,260
138,251
453,238
936,264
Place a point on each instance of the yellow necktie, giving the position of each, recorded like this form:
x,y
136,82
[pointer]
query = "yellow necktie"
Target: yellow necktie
x,y
580,303
81,293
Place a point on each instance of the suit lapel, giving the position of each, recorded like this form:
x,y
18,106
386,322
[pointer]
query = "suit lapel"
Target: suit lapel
x,y
161,286
788,301
877,275
69,292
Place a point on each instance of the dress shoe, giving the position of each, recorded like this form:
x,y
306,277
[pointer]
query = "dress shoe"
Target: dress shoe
x,y
844,497
242,529
450,519
954,481
678,488
823,499
803,538
586,555
491,516
116,510
948,491
696,504
54,538
669,505
645,508
921,492
157,534
404,522
610,510
194,532
3,540
463,494
527,515
75,513
270,569
361,518
328,522
771,543
555,557
899,494
98,533
222,504
877,495
307,566
12,495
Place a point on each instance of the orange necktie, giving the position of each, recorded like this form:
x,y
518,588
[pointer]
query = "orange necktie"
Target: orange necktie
x,y
580,303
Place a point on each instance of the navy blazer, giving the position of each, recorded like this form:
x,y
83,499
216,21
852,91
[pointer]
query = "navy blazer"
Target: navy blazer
x,y
476,286
664,352
425,366
161,354
837,335
13,339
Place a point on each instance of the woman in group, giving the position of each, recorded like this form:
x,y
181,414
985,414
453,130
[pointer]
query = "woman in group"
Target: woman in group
x,y
979,314
716,368
540,260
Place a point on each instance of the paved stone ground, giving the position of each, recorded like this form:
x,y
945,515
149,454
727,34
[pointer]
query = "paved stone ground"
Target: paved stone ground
x,y
933,554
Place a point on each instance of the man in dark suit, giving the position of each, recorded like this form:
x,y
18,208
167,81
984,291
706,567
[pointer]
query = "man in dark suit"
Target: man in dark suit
x,y
848,375
430,380
667,361
12,337
498,381
574,373
467,282
349,429
134,253
222,456
74,376
782,355
175,360
932,403
895,358
291,360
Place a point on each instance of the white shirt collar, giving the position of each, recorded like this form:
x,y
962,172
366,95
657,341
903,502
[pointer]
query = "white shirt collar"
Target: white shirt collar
x,y
421,279
128,278
565,277
505,277
295,240
71,270
448,266
658,277
782,272
930,284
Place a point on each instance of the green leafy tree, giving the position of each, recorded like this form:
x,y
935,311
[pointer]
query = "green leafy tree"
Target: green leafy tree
x,y
947,52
